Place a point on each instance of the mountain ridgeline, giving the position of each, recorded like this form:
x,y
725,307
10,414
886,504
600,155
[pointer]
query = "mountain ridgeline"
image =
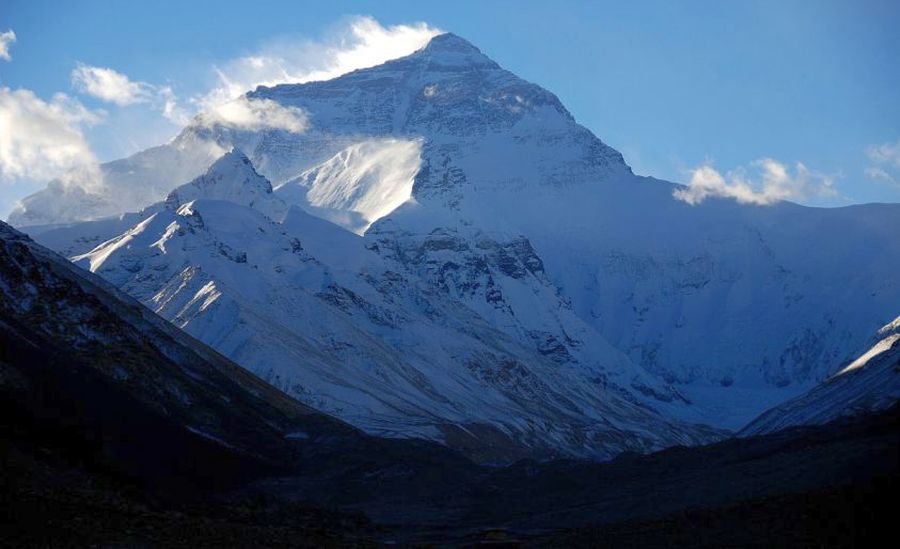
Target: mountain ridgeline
x,y
445,253
117,429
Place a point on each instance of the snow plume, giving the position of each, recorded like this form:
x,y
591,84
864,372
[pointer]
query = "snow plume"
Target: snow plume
x,y
170,107
248,114
360,184
774,182
884,162
42,140
6,38
362,43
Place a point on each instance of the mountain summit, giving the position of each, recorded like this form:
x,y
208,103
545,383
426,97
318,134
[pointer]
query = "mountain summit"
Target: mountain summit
x,y
444,92
457,258
449,42
450,50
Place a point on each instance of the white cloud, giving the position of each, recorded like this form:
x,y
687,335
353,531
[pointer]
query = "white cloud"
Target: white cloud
x,y
881,174
254,115
41,140
171,110
109,85
114,87
886,153
6,38
885,162
775,182
364,42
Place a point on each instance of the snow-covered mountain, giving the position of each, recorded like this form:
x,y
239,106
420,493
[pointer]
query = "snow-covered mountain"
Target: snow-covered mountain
x,y
507,268
304,304
870,383
113,415
83,361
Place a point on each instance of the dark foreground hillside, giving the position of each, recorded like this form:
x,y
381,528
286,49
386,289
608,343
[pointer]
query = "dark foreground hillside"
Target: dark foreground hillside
x,y
840,517
49,500
46,502
118,430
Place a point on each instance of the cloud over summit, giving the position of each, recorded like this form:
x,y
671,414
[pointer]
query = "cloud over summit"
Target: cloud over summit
x,y
362,43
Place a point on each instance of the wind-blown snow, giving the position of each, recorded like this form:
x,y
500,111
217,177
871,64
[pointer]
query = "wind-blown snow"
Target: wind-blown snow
x,y
309,307
508,269
359,185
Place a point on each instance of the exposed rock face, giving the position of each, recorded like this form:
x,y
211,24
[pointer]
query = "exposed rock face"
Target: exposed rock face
x,y
379,342
509,271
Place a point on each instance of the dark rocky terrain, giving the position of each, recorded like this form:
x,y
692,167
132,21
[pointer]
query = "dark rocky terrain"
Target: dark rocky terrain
x,y
117,430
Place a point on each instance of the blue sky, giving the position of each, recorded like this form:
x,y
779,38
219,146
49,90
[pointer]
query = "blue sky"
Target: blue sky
x,y
675,86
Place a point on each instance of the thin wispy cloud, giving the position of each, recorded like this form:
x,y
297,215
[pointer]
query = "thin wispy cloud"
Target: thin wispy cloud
x,y
886,153
254,115
6,39
766,182
884,163
170,107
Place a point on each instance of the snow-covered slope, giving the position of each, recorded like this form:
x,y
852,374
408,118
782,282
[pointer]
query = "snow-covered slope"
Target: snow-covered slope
x,y
482,191
869,383
727,301
93,364
231,178
360,184
305,305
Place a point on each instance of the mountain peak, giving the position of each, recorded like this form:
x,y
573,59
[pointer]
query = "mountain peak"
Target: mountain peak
x,y
235,158
232,166
232,178
449,42
449,49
